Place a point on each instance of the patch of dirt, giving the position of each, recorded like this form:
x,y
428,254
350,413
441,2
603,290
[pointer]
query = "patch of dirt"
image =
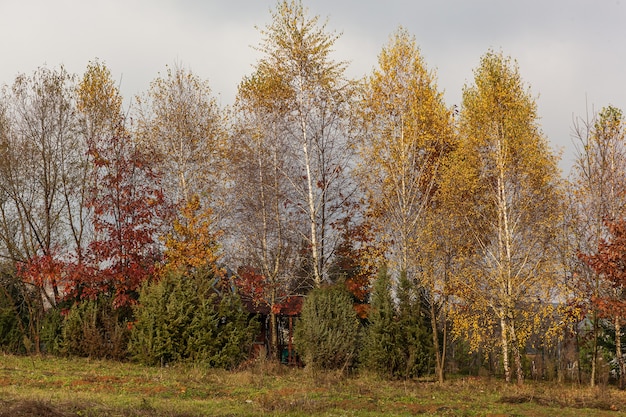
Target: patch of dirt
x,y
30,409
33,408
516,399
598,404
431,409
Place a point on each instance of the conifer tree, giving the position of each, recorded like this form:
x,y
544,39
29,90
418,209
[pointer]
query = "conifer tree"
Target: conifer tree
x,y
397,342
380,347
184,318
414,342
328,329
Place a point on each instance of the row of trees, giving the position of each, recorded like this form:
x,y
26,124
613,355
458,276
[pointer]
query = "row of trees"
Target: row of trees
x,y
312,178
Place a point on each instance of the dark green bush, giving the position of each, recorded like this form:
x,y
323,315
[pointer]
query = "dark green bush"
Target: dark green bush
x,y
52,332
20,311
397,341
415,338
182,318
327,333
94,328
11,334
380,348
163,317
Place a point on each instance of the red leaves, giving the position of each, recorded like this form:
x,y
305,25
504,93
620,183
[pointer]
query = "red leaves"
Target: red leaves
x,y
610,307
251,284
128,208
289,306
362,310
610,262
41,270
257,288
45,272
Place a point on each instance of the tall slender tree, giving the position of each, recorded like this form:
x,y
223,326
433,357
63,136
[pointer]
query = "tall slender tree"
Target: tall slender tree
x,y
181,125
314,101
99,105
609,261
406,132
267,221
598,194
39,132
504,181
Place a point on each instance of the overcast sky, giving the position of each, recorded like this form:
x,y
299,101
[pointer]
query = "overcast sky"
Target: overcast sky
x,y
572,53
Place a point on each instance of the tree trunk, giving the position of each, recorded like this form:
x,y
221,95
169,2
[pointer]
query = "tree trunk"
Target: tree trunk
x,y
505,350
618,352
594,352
438,358
444,347
273,328
312,209
274,353
517,355
579,373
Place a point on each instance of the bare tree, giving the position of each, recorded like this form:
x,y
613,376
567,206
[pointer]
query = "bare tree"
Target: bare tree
x,y
598,193
182,125
266,229
39,151
315,104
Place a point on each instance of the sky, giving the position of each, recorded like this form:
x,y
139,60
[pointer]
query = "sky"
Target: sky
x,y
571,53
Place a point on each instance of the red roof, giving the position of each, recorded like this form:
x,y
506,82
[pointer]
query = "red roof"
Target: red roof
x,y
289,306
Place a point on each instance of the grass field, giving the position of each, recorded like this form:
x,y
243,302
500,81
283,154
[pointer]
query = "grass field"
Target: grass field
x,y
54,387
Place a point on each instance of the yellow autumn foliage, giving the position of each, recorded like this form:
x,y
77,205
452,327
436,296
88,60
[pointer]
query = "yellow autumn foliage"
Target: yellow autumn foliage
x,y
193,243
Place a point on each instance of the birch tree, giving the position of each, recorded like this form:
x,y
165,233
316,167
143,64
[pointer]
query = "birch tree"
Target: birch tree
x,y
406,133
297,50
42,121
181,124
39,135
506,190
266,226
598,184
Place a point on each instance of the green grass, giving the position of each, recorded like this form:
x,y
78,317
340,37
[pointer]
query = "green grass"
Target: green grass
x,y
50,386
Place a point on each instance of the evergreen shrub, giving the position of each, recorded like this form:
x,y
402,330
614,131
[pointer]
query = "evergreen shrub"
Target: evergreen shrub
x,y
95,329
398,343
183,318
328,330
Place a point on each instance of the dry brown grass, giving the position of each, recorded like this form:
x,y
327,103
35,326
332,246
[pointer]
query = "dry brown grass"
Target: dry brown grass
x,y
599,397
79,387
